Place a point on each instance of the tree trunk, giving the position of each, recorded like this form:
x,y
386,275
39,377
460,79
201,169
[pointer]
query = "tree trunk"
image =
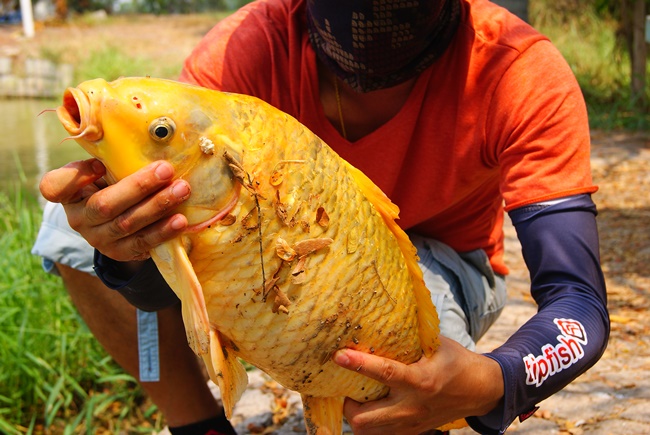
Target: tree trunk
x,y
638,53
61,8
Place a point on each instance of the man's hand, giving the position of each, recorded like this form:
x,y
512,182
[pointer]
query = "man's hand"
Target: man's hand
x,y
452,384
125,220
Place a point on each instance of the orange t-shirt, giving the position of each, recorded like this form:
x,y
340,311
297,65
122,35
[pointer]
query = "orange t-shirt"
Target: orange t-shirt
x,y
496,123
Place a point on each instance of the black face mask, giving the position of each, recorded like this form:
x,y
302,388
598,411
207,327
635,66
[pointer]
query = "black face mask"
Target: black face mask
x,y
375,44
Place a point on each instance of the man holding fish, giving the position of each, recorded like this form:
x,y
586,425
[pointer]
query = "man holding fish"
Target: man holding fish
x,y
458,111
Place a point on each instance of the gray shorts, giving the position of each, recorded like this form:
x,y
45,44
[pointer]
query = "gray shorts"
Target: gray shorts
x,y
467,294
58,243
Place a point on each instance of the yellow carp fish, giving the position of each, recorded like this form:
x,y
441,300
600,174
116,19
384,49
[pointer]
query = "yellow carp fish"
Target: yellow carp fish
x,y
291,253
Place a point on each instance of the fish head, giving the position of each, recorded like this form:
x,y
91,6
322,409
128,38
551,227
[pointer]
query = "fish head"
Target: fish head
x,y
131,122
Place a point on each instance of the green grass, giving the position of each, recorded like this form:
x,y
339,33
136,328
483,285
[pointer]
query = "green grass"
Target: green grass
x,y
108,54
111,63
55,377
588,42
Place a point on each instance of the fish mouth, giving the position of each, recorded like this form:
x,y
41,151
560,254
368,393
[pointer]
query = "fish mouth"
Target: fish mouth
x,y
78,117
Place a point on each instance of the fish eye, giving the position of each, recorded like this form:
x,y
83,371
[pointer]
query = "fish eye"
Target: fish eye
x,y
162,129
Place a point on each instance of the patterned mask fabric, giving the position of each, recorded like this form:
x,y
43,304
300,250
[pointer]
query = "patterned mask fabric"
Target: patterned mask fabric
x,y
375,44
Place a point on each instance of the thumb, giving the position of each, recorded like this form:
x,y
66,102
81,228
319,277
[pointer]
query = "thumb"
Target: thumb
x,y
64,184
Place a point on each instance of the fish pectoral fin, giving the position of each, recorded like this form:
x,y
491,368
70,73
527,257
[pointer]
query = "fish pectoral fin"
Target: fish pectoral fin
x,y
226,371
323,415
175,266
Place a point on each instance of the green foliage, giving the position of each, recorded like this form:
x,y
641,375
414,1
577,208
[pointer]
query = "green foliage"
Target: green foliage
x,y
51,54
612,7
54,372
112,62
587,38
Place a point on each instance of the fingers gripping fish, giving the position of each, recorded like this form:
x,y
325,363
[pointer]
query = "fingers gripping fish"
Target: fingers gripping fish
x,y
291,253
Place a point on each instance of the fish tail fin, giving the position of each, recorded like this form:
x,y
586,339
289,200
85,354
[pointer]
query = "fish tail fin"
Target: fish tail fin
x,y
173,263
323,415
226,371
428,321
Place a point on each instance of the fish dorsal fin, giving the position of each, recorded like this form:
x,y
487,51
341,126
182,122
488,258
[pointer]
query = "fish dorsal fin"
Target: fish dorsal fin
x,y
427,316
374,194
174,265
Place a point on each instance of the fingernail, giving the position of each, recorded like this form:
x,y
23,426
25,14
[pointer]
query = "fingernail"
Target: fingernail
x,y
341,358
164,172
177,223
180,190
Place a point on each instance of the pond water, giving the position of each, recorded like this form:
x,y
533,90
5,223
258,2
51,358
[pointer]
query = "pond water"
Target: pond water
x,y
30,144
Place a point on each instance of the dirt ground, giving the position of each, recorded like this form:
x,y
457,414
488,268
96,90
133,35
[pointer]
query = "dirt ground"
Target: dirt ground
x,y
611,398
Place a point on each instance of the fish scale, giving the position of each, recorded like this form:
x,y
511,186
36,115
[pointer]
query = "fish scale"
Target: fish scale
x,y
291,253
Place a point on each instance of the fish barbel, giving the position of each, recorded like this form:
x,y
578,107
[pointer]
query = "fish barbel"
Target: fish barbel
x,y
291,253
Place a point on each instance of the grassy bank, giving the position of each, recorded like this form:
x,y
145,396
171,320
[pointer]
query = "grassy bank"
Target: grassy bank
x,y
55,378
127,45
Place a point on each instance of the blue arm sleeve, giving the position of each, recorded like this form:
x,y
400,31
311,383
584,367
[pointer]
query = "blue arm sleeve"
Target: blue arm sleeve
x,y
569,333
146,290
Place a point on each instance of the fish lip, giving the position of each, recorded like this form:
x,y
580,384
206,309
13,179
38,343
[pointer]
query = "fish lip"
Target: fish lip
x,y
76,116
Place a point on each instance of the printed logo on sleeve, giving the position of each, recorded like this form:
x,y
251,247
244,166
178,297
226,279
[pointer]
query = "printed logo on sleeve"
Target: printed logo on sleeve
x,y
555,358
572,328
